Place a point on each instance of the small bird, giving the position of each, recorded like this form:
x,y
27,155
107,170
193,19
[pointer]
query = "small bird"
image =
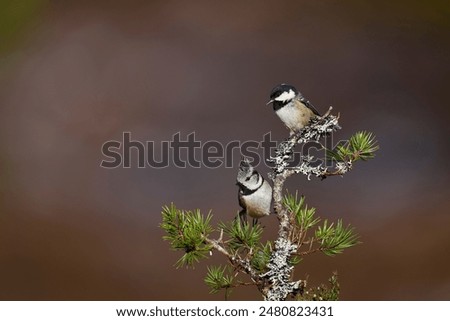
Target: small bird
x,y
255,193
292,108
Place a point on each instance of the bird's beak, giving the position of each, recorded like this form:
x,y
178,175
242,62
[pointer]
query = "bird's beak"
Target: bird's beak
x,y
269,102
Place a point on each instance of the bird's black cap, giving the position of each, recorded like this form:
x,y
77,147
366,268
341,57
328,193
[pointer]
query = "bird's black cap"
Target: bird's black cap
x,y
280,89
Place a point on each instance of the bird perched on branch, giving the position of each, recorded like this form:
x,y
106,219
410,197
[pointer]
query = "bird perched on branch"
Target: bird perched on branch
x,y
255,193
292,108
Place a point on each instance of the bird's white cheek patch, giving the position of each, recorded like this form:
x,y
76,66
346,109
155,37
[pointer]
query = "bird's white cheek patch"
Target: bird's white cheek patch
x,y
287,95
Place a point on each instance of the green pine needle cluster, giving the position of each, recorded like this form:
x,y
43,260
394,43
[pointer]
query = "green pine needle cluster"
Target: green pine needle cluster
x,y
187,230
329,238
304,216
361,146
243,242
334,238
218,278
242,235
261,257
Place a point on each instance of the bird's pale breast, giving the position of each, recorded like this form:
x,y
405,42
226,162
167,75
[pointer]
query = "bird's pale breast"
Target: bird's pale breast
x,y
295,115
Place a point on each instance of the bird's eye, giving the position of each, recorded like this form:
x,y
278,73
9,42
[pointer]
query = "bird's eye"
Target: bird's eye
x,y
247,179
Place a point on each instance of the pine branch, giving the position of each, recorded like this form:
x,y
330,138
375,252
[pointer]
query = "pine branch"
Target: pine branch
x,y
271,265
361,146
281,286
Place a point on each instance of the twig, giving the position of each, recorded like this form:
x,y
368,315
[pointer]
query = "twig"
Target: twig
x,y
242,264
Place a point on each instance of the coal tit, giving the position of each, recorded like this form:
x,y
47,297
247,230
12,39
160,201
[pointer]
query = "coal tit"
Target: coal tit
x,y
292,108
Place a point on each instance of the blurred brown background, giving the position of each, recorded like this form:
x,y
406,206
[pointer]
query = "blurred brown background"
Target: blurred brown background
x,y
74,74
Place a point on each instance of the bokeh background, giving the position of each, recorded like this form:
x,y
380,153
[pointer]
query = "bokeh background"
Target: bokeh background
x,y
74,74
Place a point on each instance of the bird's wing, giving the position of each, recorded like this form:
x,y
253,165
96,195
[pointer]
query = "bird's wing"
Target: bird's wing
x,y
241,200
308,104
